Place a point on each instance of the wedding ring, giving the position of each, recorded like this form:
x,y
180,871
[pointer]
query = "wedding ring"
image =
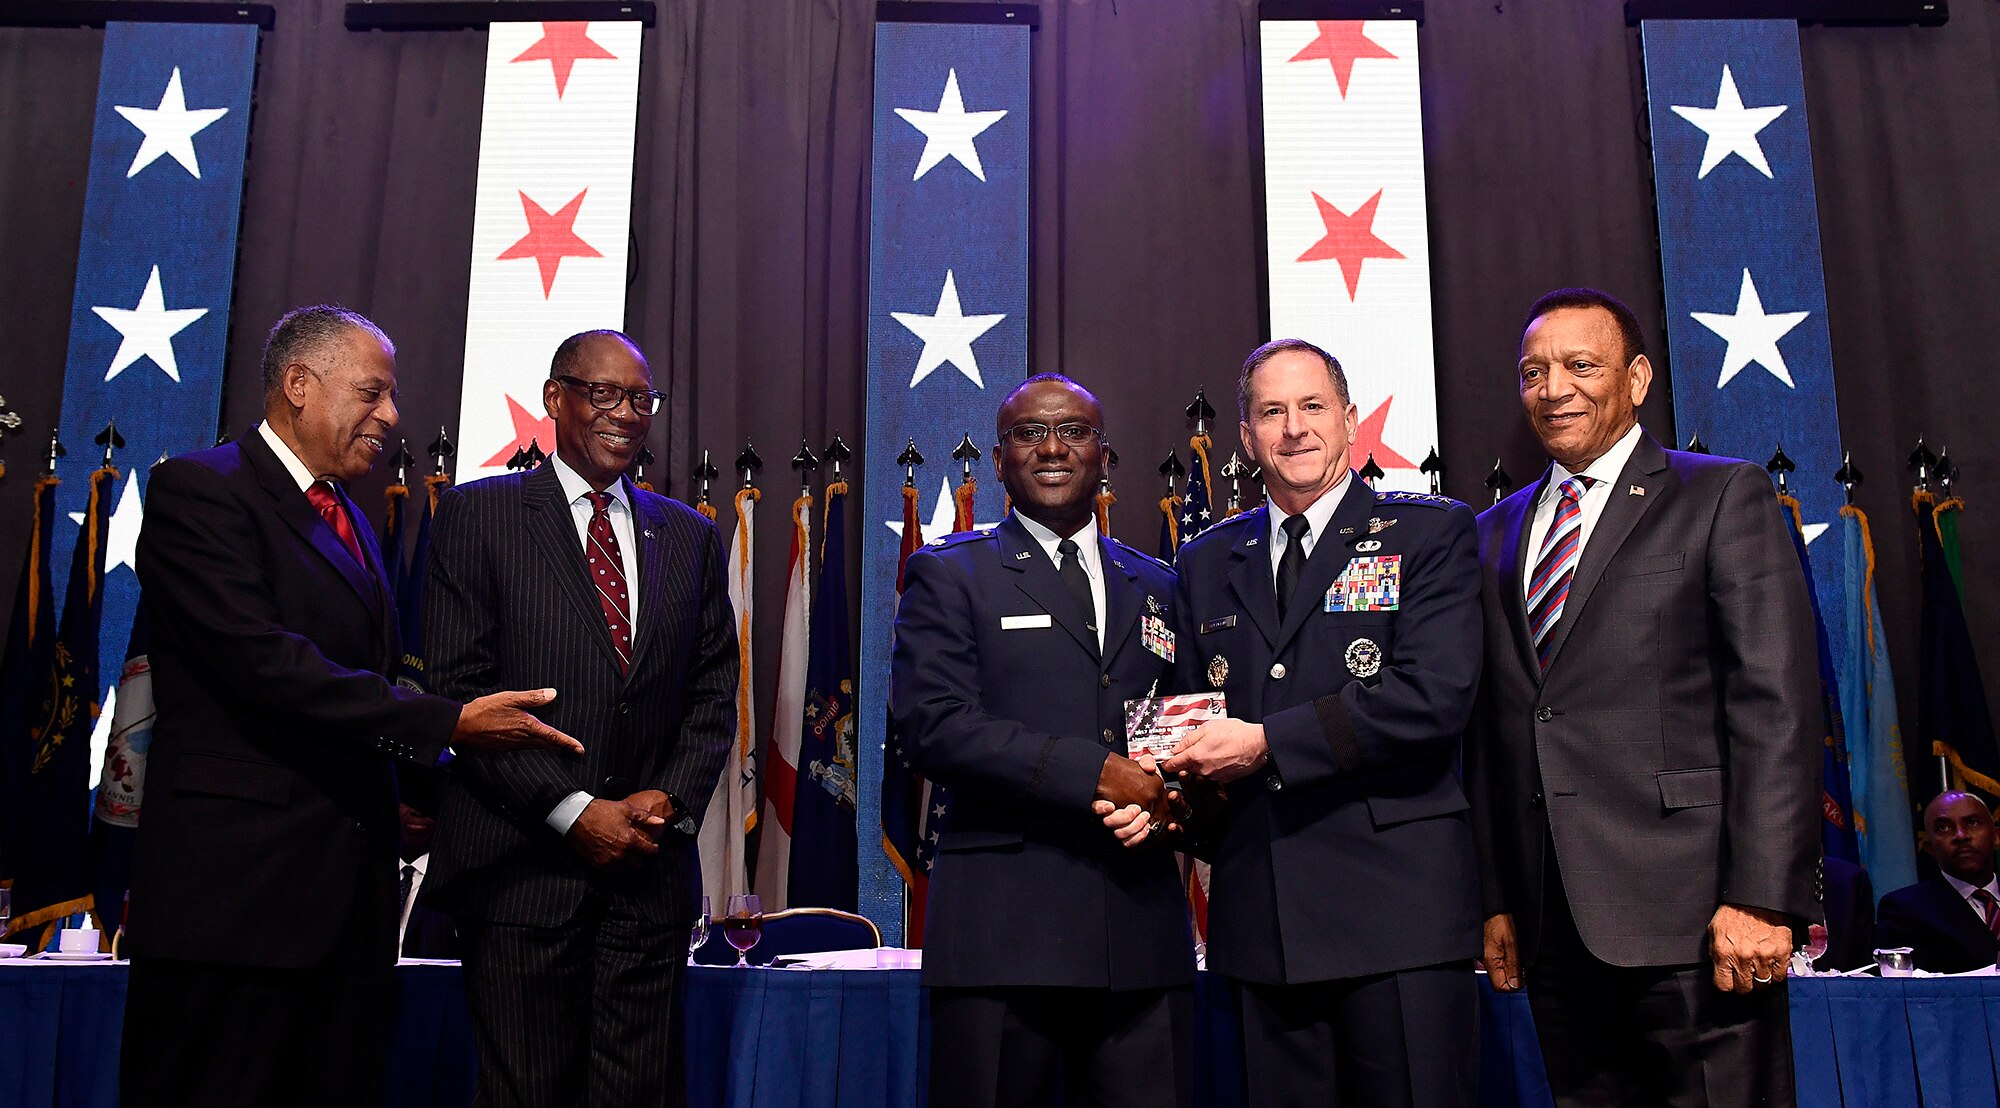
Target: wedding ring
x,y
1761,980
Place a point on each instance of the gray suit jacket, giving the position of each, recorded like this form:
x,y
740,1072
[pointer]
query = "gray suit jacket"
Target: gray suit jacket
x,y
509,605
1672,750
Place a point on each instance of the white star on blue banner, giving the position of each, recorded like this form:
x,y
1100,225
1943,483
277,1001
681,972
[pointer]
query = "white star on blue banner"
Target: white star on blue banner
x,y
947,340
1739,249
150,320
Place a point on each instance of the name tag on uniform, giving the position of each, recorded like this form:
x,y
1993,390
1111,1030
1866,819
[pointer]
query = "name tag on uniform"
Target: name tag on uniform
x,y
1221,624
1023,623
1368,585
1153,632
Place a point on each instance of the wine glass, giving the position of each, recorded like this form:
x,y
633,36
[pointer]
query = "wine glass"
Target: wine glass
x,y
698,934
744,925
1805,956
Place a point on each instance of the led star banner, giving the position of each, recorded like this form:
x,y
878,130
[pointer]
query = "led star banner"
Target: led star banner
x,y
1739,250
154,273
550,221
947,340
1347,249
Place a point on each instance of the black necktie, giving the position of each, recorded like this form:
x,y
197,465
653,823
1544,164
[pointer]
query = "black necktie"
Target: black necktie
x,y
1293,561
403,895
1070,569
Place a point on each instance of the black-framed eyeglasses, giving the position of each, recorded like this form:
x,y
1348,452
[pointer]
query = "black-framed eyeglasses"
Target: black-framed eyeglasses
x,y
605,397
1032,434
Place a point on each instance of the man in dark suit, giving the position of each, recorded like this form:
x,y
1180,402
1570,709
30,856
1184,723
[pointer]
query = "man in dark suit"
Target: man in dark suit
x,y
263,924
1053,954
1342,624
1645,762
1951,921
574,880
424,931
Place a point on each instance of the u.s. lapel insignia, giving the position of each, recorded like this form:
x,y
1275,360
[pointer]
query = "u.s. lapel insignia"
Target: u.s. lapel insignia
x,y
1023,556
1218,670
1377,524
1364,658
1368,546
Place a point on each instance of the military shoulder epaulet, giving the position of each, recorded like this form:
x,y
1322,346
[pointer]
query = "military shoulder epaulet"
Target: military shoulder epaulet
x,y
1427,499
1138,553
960,537
1231,521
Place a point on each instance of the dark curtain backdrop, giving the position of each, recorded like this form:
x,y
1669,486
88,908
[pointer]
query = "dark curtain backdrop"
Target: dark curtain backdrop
x,y
750,232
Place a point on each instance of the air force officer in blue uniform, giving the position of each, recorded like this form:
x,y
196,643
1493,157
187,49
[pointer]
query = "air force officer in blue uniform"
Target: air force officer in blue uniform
x,y
1054,953
1343,625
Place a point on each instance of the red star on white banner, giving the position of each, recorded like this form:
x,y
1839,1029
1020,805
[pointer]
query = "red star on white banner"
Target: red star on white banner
x,y
562,45
1350,240
1341,44
528,427
550,238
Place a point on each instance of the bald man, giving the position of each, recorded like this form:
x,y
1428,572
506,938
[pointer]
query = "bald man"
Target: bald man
x,y
1951,921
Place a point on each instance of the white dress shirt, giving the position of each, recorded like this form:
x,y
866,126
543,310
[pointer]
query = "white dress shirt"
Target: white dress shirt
x,y
293,466
1603,474
1318,514
577,492
1087,553
420,863
1966,889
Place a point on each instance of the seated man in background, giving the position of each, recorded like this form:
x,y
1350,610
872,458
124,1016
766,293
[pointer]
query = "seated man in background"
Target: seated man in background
x,y
1950,921
424,931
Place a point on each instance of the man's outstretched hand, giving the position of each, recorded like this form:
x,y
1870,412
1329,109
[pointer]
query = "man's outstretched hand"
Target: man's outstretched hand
x,y
505,721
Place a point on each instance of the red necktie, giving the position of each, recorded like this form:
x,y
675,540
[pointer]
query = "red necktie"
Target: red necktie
x,y
322,496
607,572
1991,909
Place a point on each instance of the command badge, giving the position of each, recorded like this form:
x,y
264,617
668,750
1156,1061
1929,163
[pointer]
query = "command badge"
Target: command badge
x,y
1218,670
1364,658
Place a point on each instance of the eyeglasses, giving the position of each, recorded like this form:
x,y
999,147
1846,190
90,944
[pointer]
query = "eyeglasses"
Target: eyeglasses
x,y
1032,434
605,397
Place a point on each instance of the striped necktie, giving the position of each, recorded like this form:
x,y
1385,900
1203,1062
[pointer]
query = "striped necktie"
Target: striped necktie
x,y
1990,908
1556,565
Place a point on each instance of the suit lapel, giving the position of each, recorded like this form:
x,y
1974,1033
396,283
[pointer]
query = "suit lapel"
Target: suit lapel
x,y
1037,577
1250,574
1644,471
648,529
1330,554
553,529
304,519
1513,556
1121,599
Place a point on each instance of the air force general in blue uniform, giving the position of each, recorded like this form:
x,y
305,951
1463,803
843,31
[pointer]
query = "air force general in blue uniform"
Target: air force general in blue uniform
x,y
1343,626
1054,954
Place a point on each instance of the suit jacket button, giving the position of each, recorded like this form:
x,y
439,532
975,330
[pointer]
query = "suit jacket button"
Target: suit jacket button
x,y
1272,783
1277,671
1535,800
625,708
1545,714
610,781
1104,681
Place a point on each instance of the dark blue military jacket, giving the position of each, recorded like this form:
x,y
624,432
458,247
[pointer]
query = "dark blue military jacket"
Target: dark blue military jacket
x,y
1004,698
1351,854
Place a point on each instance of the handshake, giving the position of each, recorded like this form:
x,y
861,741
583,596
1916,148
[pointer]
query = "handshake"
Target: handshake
x,y
1135,801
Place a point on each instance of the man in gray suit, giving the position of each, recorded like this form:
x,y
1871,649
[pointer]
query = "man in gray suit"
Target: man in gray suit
x,y
574,879
1645,761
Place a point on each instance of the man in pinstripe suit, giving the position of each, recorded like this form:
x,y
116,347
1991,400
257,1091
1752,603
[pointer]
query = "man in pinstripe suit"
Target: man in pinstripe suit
x,y
574,879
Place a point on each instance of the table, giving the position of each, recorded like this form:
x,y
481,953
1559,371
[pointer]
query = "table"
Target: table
x,y
839,1039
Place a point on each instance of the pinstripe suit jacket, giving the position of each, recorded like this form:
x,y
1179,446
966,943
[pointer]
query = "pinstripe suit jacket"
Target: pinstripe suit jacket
x,y
509,605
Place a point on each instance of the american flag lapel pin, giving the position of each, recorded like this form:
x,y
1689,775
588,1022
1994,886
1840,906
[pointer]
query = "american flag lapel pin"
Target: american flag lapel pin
x,y
1636,490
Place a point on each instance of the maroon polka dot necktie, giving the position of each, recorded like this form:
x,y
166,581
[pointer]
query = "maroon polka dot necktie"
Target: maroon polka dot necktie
x,y
607,573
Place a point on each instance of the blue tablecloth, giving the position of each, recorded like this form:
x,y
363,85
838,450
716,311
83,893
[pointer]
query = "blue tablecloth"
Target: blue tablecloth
x,y
784,1038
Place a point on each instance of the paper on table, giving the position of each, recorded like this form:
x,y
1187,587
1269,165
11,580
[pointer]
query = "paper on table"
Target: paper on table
x,y
866,959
